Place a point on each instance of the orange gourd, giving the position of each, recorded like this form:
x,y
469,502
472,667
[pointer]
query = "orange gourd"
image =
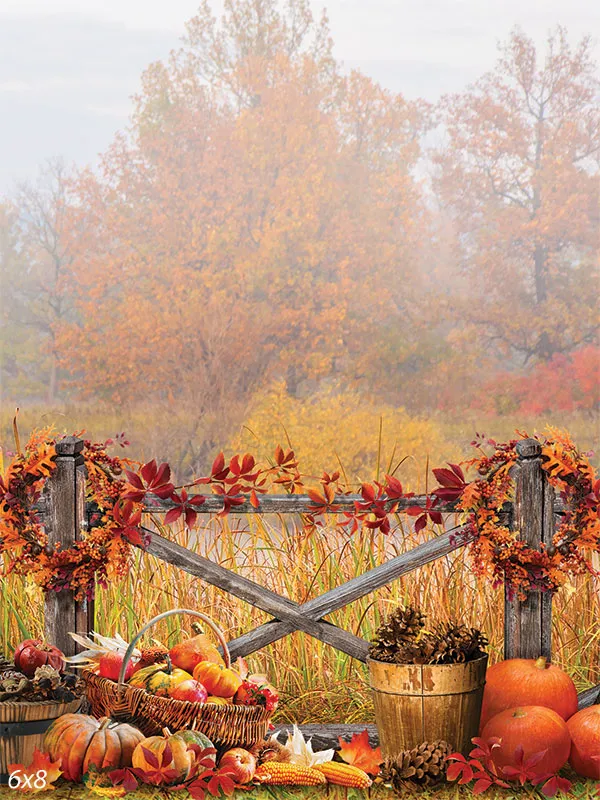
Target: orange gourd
x,y
584,727
527,682
186,655
535,729
80,741
219,681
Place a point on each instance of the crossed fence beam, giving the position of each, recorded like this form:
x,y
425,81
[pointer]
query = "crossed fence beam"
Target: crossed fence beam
x,y
289,616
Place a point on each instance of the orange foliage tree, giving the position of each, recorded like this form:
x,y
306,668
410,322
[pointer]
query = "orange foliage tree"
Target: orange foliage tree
x,y
259,219
520,172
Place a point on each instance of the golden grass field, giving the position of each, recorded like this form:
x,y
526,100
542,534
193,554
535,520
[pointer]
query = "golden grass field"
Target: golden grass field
x,y
317,683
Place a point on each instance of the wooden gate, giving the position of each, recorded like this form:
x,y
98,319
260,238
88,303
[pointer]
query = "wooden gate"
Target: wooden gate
x,y
527,624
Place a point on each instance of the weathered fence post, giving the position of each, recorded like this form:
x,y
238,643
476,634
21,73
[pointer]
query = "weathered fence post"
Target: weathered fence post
x,y
66,519
528,623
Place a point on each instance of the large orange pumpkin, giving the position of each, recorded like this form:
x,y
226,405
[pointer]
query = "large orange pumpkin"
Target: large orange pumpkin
x,y
80,741
182,759
527,682
584,727
186,655
534,728
219,681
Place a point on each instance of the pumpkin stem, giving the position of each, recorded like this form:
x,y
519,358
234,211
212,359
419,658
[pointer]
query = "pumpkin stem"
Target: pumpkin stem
x,y
169,669
541,662
104,723
518,713
166,733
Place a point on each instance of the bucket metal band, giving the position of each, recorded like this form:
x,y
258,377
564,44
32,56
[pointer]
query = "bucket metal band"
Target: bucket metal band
x,y
421,694
27,728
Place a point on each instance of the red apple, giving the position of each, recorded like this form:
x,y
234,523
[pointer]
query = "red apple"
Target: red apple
x,y
191,690
109,666
240,763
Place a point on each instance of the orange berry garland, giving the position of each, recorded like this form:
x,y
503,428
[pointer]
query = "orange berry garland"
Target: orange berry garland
x,y
497,552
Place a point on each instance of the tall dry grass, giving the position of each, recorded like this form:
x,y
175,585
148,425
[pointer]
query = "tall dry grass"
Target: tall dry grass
x,y
317,682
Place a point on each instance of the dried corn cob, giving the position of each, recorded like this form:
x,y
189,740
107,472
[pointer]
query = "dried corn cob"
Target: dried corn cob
x,y
344,774
280,773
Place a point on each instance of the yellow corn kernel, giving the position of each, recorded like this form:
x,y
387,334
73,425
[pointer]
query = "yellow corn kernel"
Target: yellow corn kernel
x,y
281,773
345,774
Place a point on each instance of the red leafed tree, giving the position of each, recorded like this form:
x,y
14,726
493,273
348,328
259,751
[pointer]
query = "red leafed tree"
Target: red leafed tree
x,y
520,173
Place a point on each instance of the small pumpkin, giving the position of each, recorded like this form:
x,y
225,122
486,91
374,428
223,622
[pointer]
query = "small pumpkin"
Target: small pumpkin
x,y
199,739
182,760
80,741
535,729
218,701
33,653
159,679
527,682
186,655
219,681
584,727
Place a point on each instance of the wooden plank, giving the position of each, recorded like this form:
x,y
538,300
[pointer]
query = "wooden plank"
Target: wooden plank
x,y
256,595
62,525
278,504
327,736
589,698
288,504
528,622
355,588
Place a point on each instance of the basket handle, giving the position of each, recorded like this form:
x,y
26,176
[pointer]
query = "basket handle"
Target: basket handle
x,y
211,624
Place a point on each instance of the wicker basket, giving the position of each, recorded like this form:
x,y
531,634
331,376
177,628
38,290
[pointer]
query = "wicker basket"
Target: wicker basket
x,y
225,725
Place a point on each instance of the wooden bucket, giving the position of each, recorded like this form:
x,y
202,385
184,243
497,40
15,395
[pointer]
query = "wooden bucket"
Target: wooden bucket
x,y
22,729
417,703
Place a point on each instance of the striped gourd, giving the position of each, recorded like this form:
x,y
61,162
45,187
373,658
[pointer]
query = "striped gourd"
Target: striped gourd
x,y
344,774
281,773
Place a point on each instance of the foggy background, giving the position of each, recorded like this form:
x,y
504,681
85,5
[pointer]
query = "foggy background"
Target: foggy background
x,y
370,244
68,68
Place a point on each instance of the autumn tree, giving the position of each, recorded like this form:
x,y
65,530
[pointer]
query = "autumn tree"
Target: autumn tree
x,y
519,172
10,267
35,265
259,220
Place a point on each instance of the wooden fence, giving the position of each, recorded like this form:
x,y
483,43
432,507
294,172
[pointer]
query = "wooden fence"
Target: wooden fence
x,y
527,624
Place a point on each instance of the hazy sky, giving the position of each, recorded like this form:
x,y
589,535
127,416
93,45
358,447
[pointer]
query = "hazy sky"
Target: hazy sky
x,y
69,67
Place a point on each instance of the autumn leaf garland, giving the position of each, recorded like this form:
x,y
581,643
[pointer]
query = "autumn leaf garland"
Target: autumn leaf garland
x,y
120,489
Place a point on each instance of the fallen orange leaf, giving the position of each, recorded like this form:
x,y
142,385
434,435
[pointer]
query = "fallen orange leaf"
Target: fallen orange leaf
x,y
38,776
359,753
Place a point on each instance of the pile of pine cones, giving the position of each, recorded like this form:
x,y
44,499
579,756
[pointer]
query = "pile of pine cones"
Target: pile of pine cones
x,y
46,684
404,639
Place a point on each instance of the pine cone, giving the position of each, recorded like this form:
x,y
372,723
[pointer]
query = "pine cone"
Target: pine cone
x,y
46,677
396,638
456,644
270,750
6,665
424,765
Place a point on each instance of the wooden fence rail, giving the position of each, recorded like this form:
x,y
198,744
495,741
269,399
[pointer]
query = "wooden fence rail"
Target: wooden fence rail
x,y
527,625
